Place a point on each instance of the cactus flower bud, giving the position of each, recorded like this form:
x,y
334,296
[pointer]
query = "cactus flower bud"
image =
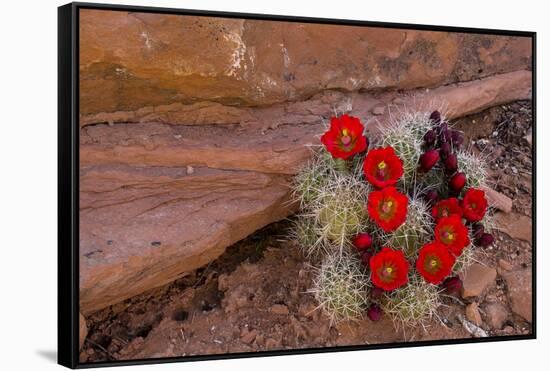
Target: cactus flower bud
x,y
444,133
477,231
362,241
428,160
365,258
376,293
485,240
452,285
430,137
457,138
435,117
457,182
444,150
431,197
374,313
451,164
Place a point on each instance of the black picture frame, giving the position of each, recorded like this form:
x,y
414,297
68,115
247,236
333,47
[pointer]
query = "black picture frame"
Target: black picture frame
x,y
68,181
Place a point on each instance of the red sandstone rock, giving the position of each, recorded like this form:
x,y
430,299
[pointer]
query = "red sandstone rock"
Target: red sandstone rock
x,y
473,315
515,225
144,227
476,279
160,59
496,315
498,200
519,285
82,330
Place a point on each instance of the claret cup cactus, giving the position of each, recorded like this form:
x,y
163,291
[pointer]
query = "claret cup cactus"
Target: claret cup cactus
x,y
389,221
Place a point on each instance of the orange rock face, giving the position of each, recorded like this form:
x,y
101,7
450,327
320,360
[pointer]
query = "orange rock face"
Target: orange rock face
x,y
132,60
209,118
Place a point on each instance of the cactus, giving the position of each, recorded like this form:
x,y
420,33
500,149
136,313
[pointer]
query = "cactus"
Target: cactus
x,y
339,209
474,167
413,304
341,287
405,136
414,233
304,234
333,194
312,177
468,257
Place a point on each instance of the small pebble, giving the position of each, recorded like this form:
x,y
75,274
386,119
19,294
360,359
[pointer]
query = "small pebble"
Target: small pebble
x,y
190,170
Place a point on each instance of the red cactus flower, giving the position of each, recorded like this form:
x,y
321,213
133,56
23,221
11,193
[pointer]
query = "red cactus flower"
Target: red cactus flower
x,y
362,241
428,160
382,167
434,262
474,205
388,208
445,208
457,182
345,137
453,234
389,269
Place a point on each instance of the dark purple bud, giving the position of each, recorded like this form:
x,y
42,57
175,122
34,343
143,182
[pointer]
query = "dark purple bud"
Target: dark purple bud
x,y
451,164
431,197
374,313
457,138
452,285
477,231
445,135
485,240
365,258
376,293
444,150
428,160
435,117
430,137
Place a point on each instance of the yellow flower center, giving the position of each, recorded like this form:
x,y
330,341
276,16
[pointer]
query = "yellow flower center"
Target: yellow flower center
x,y
450,236
389,270
433,263
345,132
386,207
382,165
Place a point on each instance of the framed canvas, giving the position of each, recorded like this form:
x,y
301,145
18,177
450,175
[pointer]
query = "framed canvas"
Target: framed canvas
x,y
239,185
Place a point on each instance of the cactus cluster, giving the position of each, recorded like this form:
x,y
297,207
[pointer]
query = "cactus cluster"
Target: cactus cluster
x,y
379,223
